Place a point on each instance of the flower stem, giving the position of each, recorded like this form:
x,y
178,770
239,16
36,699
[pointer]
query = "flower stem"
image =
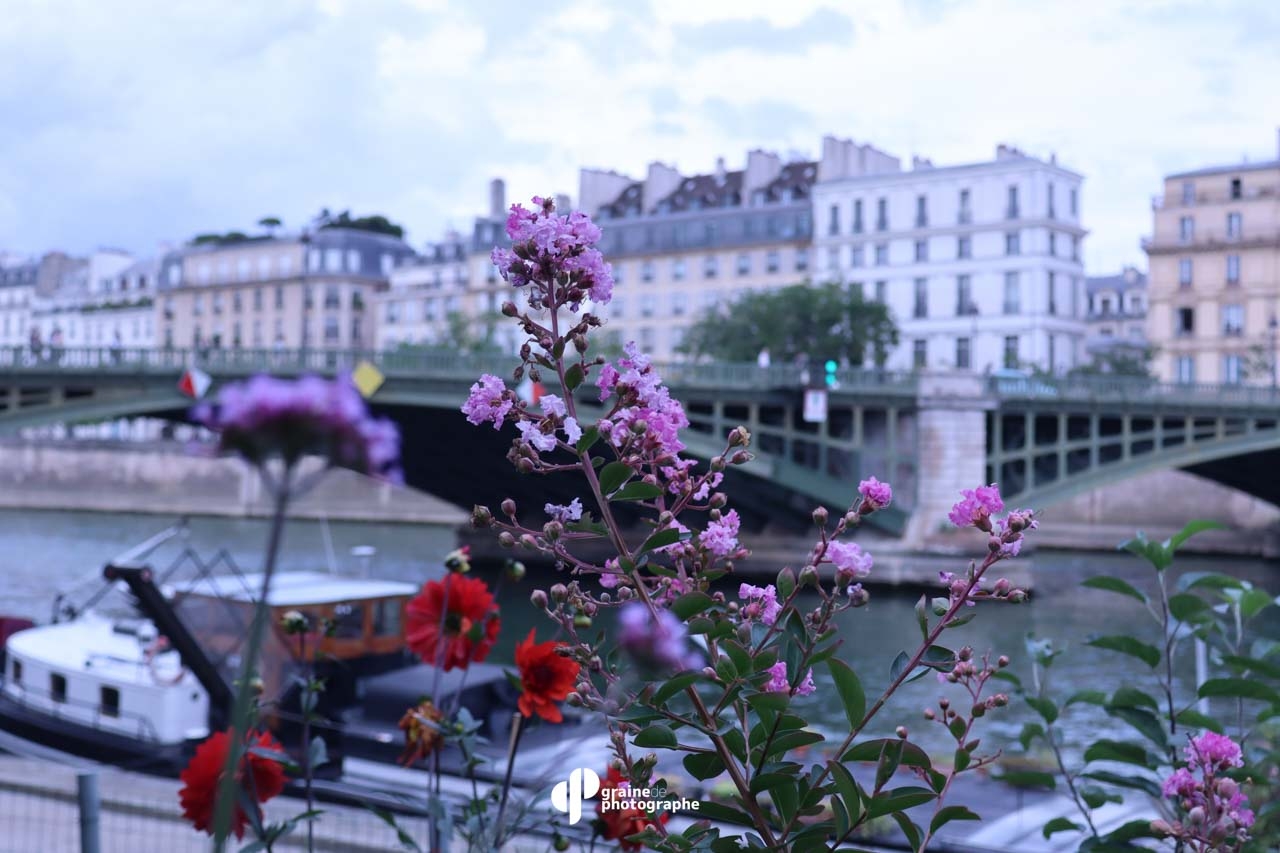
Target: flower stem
x,y
517,729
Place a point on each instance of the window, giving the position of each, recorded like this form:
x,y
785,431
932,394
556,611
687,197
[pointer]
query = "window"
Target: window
x,y
618,307
257,299
242,269
331,332
386,617
1075,248
1053,245
393,313
857,216
429,310
1188,192
17,672
1053,294
286,265
1237,190
236,302
833,220
857,258
920,305
314,259
1052,212
648,305
1233,226
109,701
1012,243
1231,369
57,687
348,621
1011,351
217,302
1233,269
677,269
646,337
1184,322
1011,210
922,250
1012,293
882,254
1053,360
279,296
882,214
882,291
386,264
197,304
964,248
833,258
771,261
919,353
1232,320
679,301
333,260
963,346
802,260
1106,305
964,297
353,260
922,211
1185,368
1184,272
965,216
744,264
646,271
1186,229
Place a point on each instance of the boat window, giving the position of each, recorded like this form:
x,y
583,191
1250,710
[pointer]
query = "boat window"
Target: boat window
x,y
110,702
17,671
386,617
58,687
348,621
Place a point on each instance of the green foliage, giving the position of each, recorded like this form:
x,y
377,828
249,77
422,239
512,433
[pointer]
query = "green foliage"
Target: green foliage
x,y
374,223
818,321
1124,361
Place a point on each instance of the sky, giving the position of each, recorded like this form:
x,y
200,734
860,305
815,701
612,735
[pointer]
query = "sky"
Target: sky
x,y
137,123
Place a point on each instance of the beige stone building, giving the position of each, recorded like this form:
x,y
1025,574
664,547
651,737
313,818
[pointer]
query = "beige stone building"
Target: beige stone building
x,y
312,290
1215,274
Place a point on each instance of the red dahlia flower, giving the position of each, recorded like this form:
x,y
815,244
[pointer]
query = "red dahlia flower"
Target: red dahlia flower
x,y
617,824
452,622
265,779
546,677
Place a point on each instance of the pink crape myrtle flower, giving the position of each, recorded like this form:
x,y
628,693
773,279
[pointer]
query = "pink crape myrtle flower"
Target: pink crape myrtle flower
x,y
547,248
762,603
875,495
849,559
779,682
1214,752
659,643
563,513
721,537
976,507
488,401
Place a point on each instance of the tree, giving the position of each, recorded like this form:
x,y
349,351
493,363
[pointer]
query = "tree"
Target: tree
x,y
271,223
824,321
1120,360
375,223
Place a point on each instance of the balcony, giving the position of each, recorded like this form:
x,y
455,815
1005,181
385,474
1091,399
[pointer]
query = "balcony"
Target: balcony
x,y
1210,241
1174,202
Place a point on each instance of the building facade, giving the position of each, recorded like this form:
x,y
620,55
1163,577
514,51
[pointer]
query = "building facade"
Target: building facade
x,y
1214,260
17,291
979,264
1117,312
303,291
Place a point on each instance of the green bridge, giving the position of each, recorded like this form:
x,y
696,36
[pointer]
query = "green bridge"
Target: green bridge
x,y
929,434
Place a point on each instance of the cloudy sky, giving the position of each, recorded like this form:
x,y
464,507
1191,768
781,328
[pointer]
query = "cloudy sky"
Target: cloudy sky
x,y
133,122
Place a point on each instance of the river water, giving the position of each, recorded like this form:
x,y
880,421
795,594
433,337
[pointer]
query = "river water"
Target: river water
x,y
47,552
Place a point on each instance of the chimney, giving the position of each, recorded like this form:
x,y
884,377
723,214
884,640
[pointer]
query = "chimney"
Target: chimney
x,y
762,168
596,188
563,203
720,171
497,198
660,182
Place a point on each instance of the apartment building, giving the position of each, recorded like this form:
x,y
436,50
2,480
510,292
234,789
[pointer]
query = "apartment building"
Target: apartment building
x,y
1117,312
17,290
978,263
308,290
451,287
1214,261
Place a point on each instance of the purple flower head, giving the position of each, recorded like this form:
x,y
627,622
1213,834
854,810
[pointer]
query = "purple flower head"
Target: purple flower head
x,y
606,380
310,416
1213,752
554,254
721,537
552,405
849,559
763,603
1181,784
976,507
562,514
572,431
488,401
657,644
875,495
779,682
534,436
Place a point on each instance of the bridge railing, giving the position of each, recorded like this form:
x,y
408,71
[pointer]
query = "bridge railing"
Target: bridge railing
x,y
1121,389
441,363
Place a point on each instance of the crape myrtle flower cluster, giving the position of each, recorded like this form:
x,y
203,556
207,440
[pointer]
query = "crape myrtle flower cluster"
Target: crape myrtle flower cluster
x,y
1215,813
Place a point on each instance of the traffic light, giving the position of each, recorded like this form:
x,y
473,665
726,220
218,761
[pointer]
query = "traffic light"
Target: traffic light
x,y
830,370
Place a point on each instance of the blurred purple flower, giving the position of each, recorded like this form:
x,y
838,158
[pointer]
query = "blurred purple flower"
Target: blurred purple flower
x,y
488,401
658,644
849,559
875,495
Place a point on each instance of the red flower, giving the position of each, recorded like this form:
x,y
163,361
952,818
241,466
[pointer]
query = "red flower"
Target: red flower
x,y
545,676
200,779
465,609
617,824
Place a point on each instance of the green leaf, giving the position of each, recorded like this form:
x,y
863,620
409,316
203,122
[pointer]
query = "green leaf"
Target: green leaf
x,y
909,829
663,538
899,799
1132,697
850,691
1253,601
1060,824
573,377
1159,556
1114,750
1136,783
1187,607
691,604
1030,731
613,475
1149,655
849,789
922,616
703,765
1195,720
870,750
655,735
1095,796
637,491
673,685
1090,697
890,758
1116,585
406,840
769,701
948,814
1045,708
786,582
1191,528
1145,722
1028,779
590,436
1243,664
1208,580
1131,830
1242,688
961,759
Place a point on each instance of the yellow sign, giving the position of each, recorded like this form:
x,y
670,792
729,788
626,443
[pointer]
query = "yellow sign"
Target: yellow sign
x,y
368,378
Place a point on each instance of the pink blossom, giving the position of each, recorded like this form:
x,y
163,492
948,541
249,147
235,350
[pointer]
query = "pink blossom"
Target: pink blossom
x,y
561,513
779,682
606,380
976,507
721,537
1214,752
1180,784
849,559
552,405
763,603
572,431
656,643
488,401
533,435
556,254
875,494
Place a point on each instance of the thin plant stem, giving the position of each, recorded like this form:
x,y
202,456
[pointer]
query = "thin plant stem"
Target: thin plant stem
x,y
307,769
517,729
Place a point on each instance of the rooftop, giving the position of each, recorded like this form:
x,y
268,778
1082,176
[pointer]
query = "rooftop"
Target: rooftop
x,y
1246,166
1127,279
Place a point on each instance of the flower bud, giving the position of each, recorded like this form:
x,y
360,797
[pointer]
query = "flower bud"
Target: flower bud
x,y
481,517
582,620
742,457
1002,661
580,342
1161,827
972,745
965,653
560,842
1195,817
559,592
809,576
552,530
509,309
719,500
458,560
858,597
739,437
525,466
506,539
978,710
1002,587
1017,597
640,427
509,508
820,516
529,542
538,599
293,622
901,732
515,570
929,715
